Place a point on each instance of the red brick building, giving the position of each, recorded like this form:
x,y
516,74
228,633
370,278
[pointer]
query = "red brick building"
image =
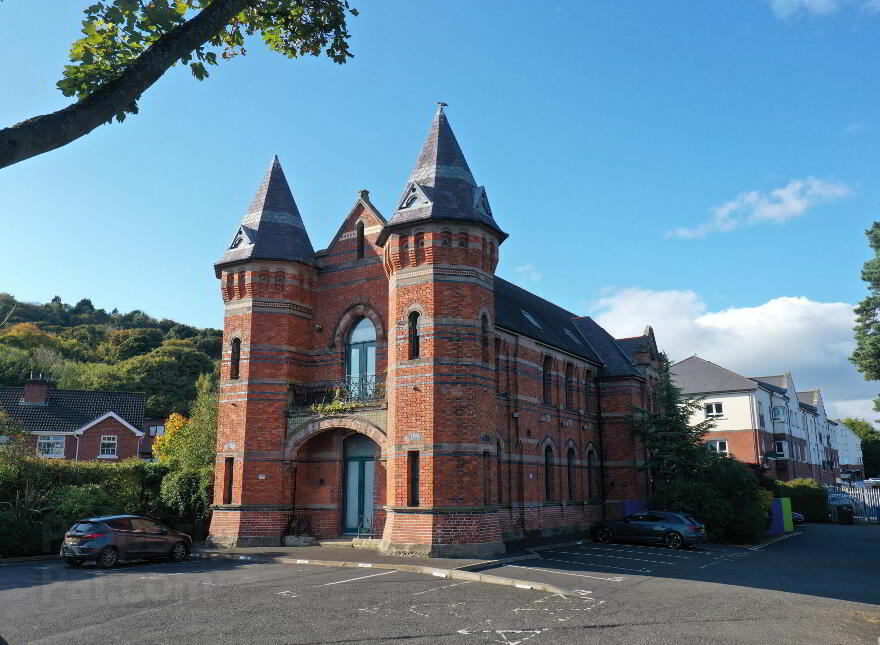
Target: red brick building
x,y
392,386
83,425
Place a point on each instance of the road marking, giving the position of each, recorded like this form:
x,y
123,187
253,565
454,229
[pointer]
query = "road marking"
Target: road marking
x,y
562,573
287,594
665,553
774,541
466,582
617,557
364,564
508,636
597,564
339,582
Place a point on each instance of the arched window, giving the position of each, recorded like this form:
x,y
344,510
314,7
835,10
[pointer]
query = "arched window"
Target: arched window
x,y
414,333
498,474
484,331
360,240
569,386
360,363
592,475
235,359
548,380
548,473
569,465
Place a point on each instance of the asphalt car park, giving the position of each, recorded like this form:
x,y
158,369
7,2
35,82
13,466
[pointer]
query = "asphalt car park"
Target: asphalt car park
x,y
794,590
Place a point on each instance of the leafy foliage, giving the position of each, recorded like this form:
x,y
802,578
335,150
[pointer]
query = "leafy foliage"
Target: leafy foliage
x,y
675,447
117,32
870,444
164,445
807,496
866,356
80,347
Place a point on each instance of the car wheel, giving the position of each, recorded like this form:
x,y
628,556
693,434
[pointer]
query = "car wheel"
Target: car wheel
x,y
107,558
73,562
673,540
178,552
604,535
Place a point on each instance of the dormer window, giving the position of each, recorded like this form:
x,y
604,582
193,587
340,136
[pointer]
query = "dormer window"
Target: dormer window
x,y
531,319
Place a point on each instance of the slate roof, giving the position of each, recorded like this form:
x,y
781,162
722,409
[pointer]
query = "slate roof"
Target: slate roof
x,y
695,375
777,380
441,187
615,359
511,301
769,386
69,410
809,397
807,406
272,229
631,346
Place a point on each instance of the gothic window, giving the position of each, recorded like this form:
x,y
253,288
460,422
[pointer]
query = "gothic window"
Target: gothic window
x,y
235,358
360,363
548,380
360,240
592,475
498,473
569,463
462,240
569,386
548,473
484,335
414,333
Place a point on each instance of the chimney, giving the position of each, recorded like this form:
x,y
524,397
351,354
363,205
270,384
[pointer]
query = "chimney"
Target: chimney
x,y
35,390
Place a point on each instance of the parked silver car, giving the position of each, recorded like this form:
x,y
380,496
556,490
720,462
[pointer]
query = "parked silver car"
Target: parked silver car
x,y
675,530
107,540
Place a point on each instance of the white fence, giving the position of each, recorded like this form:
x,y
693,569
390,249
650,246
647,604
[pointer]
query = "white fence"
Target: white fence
x,y
867,501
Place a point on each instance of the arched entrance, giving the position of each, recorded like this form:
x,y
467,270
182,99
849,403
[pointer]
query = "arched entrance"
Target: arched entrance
x,y
339,477
359,484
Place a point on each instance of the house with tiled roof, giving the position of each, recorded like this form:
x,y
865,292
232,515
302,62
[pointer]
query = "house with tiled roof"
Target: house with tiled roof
x,y
82,425
392,387
762,420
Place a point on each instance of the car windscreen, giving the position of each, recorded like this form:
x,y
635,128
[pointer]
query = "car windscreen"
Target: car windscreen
x,y
83,527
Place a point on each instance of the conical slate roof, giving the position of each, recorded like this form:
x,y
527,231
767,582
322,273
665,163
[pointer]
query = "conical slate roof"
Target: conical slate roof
x,y
441,187
272,229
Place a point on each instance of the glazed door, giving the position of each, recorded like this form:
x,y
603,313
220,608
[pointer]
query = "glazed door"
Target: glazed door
x,y
358,498
358,484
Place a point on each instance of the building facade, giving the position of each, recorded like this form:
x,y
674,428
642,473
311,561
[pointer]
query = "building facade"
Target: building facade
x,y
82,425
391,386
763,421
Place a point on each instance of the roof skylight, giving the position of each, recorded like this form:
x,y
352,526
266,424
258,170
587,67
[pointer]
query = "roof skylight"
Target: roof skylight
x,y
531,318
573,337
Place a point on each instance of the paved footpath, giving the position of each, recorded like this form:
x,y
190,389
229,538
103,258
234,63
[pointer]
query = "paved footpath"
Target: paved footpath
x,y
818,586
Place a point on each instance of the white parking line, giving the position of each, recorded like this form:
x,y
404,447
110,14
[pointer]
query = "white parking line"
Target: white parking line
x,y
774,541
596,564
664,552
419,593
339,582
563,573
616,557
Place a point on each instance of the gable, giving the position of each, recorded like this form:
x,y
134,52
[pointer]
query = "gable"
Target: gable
x,y
362,211
113,416
71,410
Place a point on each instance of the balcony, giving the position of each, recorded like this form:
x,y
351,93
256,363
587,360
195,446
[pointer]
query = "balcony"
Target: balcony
x,y
361,396
334,397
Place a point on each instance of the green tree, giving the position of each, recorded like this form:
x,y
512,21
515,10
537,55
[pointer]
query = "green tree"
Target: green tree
x,y
866,356
168,375
128,45
674,446
870,444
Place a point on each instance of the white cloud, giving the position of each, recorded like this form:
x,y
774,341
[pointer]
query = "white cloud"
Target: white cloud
x,y
811,339
855,127
788,9
528,273
795,8
755,207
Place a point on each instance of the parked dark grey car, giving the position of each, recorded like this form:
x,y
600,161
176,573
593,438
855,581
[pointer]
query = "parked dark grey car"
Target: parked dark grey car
x,y
107,540
675,530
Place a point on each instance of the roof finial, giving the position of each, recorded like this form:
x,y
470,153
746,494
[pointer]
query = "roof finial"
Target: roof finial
x,y
441,105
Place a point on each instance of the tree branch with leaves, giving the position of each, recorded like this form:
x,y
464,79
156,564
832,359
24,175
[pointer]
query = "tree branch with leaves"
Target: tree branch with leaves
x,y
127,45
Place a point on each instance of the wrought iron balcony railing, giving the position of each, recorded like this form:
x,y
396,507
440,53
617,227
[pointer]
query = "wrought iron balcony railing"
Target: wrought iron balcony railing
x,y
353,391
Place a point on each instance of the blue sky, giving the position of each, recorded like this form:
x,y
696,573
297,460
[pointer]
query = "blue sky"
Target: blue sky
x,y
709,165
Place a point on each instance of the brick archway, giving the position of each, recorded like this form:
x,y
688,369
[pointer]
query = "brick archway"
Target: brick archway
x,y
309,430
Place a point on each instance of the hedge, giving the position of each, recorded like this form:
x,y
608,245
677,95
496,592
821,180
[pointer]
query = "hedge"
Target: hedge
x,y
807,497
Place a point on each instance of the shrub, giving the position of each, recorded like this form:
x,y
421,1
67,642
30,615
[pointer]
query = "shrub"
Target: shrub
x,y
807,497
724,495
18,536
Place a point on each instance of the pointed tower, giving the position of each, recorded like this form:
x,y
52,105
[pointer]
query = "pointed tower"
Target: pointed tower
x,y
440,254
268,277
